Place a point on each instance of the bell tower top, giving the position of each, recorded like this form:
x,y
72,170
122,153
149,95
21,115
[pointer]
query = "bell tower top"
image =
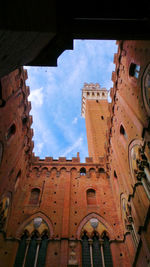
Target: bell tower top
x,y
92,91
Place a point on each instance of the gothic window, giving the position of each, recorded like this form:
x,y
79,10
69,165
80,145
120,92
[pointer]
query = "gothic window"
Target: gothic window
x,y
34,197
33,245
91,197
96,251
32,251
82,171
134,70
11,131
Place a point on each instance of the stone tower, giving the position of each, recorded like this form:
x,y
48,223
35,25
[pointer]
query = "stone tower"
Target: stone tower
x,y
95,110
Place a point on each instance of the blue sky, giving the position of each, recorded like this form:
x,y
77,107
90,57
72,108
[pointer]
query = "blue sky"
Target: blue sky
x,y
55,95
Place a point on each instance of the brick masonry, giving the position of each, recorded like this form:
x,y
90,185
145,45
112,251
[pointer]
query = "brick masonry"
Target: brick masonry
x,y
118,142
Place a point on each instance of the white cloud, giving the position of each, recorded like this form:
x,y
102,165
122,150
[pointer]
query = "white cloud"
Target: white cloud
x,y
75,120
76,145
39,147
36,97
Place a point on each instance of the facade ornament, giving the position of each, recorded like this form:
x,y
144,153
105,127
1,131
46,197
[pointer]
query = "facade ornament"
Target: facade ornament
x,y
37,222
94,222
72,255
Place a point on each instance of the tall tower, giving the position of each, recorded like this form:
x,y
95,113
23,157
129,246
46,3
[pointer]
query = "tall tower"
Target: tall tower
x,y
95,111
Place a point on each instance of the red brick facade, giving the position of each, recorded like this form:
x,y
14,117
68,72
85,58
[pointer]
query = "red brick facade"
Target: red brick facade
x,y
63,199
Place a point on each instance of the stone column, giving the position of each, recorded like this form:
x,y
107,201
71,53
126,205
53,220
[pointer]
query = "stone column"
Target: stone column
x,y
91,252
102,252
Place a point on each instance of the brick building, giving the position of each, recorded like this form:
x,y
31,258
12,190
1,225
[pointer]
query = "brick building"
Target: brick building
x,y
67,213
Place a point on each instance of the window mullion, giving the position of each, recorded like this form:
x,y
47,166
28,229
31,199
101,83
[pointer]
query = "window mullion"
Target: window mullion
x,y
102,252
27,247
37,251
91,252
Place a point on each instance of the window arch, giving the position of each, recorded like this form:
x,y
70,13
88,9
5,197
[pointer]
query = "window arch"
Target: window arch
x,y
101,170
33,246
34,197
91,196
82,171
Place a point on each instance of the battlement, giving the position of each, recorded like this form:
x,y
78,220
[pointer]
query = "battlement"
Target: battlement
x,y
92,91
63,160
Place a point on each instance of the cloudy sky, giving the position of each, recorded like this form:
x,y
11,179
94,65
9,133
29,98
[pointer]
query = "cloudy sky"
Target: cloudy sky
x,y
55,95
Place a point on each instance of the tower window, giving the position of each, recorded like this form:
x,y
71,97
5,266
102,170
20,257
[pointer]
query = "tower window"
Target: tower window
x,y
11,131
91,197
82,171
24,120
102,117
34,197
134,70
101,170
115,174
122,131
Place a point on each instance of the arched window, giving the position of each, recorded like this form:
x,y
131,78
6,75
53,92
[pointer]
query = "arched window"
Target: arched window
x,y
91,197
11,131
34,197
82,171
33,246
101,170
96,251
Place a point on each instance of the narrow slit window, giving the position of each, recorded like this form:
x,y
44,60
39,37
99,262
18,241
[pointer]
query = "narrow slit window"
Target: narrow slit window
x,y
11,131
134,70
122,131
